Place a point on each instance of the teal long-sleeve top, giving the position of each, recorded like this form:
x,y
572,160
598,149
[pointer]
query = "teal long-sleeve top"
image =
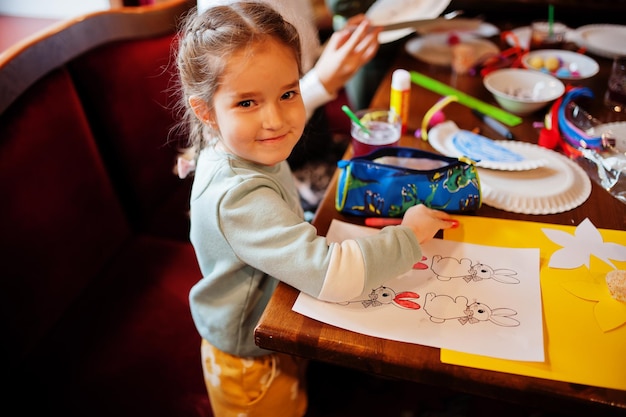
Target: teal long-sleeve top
x,y
249,233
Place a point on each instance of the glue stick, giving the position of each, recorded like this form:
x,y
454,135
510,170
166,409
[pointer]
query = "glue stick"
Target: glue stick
x,y
400,95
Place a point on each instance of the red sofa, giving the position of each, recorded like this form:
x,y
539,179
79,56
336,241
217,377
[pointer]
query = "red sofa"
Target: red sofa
x,y
96,262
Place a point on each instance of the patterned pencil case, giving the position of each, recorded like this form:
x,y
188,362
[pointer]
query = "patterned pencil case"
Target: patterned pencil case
x,y
386,182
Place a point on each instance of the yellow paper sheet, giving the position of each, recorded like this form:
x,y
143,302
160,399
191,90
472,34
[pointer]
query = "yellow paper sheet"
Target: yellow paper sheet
x,y
577,349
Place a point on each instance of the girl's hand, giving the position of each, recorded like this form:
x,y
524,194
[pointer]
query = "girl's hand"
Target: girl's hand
x,y
426,222
346,52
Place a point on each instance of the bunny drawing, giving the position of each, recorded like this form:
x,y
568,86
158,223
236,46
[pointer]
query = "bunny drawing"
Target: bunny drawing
x,y
385,295
443,307
449,267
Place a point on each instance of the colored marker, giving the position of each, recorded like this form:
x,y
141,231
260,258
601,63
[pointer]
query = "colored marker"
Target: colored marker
x,y
494,124
394,221
382,221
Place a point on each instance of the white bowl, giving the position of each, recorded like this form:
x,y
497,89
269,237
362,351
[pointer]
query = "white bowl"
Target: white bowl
x,y
569,65
523,91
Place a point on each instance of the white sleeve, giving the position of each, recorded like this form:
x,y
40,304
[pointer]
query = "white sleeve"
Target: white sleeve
x,y
361,264
346,263
314,93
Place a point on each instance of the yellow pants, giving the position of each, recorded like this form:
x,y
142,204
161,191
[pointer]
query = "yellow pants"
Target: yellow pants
x,y
269,385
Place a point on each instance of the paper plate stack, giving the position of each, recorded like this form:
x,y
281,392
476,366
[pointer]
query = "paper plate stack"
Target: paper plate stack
x,y
515,176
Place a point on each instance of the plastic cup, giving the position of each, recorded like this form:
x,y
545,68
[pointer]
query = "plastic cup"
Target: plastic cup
x,y
384,130
543,36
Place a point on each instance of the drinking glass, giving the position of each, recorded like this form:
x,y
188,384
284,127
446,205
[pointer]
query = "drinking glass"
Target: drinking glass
x,y
616,90
384,129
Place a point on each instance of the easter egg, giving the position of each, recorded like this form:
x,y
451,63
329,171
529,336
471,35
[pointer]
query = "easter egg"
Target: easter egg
x,y
564,72
536,62
552,63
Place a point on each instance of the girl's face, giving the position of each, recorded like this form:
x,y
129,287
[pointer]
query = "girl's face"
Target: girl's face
x,y
258,109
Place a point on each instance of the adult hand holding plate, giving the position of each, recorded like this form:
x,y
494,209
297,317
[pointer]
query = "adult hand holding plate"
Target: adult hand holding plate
x,y
385,12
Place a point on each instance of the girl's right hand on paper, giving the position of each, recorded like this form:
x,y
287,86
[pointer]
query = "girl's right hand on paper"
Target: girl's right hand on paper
x,y
426,222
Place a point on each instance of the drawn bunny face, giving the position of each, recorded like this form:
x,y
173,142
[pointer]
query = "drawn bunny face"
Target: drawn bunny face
x,y
404,299
503,275
481,271
382,294
499,316
479,311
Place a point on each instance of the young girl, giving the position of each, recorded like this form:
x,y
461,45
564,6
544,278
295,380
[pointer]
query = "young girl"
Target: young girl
x,y
239,68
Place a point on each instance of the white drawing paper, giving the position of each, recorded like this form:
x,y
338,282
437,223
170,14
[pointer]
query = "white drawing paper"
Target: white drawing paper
x,y
471,298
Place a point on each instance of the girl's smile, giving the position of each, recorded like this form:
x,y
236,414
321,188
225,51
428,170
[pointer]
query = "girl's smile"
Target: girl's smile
x,y
274,139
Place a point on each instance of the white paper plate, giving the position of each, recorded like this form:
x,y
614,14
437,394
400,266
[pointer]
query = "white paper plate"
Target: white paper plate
x,y
435,49
499,155
618,130
385,12
604,40
574,66
559,186
523,36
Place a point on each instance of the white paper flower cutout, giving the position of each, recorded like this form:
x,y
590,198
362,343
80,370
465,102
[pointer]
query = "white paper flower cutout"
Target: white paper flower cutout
x,y
577,249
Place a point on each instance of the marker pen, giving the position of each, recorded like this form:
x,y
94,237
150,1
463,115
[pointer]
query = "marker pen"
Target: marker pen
x,y
394,221
382,221
494,124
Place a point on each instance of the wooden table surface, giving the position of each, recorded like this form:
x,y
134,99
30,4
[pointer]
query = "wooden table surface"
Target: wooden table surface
x,y
283,330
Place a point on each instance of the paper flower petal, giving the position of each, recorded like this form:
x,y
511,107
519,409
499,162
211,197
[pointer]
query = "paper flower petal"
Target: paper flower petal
x,y
572,254
614,251
569,257
586,290
587,231
559,237
610,313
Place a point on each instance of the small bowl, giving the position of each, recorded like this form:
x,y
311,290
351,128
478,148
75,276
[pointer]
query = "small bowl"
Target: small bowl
x,y
565,65
523,91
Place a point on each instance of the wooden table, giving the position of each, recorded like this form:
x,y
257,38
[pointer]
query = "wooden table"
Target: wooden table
x,y
283,330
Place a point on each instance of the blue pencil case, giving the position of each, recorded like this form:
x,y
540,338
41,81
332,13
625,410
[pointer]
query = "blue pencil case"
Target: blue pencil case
x,y
386,182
